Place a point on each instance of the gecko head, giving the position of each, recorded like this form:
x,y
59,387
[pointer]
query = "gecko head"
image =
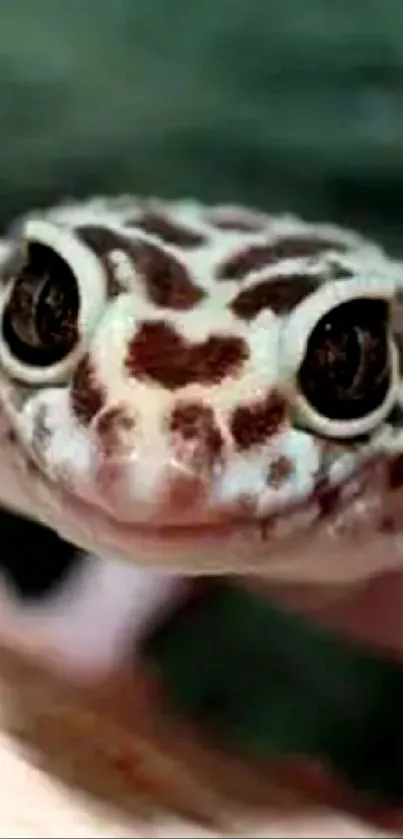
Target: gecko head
x,y
206,397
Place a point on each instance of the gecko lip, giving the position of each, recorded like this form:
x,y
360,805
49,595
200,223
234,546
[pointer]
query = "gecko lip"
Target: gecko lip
x,y
352,534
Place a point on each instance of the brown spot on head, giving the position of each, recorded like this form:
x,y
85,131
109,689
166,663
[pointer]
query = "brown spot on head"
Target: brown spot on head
x,y
236,220
240,264
158,353
87,397
170,231
114,428
165,278
252,425
279,294
279,470
197,439
255,257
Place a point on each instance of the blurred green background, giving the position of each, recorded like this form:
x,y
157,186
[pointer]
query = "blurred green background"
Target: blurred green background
x,y
285,104
280,103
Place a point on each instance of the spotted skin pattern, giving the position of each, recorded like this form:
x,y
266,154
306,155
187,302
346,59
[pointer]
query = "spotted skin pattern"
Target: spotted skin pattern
x,y
153,409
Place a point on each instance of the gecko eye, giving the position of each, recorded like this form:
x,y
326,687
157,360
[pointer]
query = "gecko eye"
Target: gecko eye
x,y
52,299
347,372
40,320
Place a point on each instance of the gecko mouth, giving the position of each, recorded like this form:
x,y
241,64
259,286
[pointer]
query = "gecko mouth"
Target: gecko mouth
x,y
347,531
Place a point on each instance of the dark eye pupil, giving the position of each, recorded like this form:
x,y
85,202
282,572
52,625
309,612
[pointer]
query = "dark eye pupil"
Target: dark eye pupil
x,y
341,353
345,374
40,321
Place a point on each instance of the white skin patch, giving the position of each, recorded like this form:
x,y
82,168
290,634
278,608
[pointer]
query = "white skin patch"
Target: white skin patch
x,y
174,424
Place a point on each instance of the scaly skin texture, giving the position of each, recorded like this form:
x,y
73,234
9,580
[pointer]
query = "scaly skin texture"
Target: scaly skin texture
x,y
205,389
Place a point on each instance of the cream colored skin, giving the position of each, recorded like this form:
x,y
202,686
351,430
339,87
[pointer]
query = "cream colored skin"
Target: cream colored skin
x,y
147,547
